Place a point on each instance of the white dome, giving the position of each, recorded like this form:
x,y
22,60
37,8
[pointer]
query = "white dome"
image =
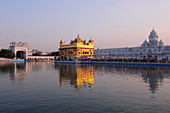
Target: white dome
x,y
161,43
153,33
145,43
153,37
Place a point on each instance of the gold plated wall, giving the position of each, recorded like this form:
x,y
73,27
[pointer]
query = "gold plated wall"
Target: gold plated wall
x,y
77,47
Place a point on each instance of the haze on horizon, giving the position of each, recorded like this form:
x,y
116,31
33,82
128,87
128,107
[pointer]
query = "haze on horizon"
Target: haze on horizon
x,y
111,23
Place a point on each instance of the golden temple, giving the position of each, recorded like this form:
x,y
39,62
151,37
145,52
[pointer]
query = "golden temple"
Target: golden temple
x,y
77,48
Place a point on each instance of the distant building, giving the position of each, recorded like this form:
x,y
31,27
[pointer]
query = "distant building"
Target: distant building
x,y
77,48
42,53
19,49
29,52
152,49
35,51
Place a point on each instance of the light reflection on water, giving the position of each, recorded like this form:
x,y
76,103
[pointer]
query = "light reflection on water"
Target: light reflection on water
x,y
46,87
81,76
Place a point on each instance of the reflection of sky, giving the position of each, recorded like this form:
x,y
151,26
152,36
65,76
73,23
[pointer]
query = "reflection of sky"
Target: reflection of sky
x,y
115,88
127,22
153,77
89,76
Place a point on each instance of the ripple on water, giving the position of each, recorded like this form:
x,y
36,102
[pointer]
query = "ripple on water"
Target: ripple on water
x,y
45,87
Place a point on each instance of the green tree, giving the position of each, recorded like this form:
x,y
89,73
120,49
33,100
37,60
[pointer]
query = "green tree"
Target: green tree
x,y
5,53
54,53
36,54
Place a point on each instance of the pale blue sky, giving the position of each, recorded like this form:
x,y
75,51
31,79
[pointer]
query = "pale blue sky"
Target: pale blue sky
x,y
111,23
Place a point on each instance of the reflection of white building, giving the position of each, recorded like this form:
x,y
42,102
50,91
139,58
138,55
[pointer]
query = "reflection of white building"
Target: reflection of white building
x,y
153,48
19,71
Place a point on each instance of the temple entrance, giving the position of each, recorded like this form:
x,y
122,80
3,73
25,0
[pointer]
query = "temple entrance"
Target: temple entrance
x,y
20,55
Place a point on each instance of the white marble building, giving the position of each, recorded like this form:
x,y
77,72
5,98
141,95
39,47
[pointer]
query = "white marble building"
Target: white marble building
x,y
20,50
152,49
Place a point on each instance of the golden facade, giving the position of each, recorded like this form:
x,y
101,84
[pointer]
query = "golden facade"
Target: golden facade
x,y
77,48
85,76
80,76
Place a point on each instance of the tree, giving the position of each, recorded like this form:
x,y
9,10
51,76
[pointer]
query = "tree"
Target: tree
x,y
54,53
36,54
7,53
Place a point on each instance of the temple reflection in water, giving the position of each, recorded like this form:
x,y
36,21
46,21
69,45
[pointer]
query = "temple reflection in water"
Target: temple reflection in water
x,y
83,76
152,76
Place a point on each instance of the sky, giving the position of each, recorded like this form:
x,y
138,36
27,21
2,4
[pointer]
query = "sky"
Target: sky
x,y
110,23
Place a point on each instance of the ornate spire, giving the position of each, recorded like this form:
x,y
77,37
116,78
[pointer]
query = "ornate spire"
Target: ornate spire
x,y
61,41
153,33
78,36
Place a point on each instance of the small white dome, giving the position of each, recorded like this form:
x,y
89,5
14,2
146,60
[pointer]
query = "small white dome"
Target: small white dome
x,y
153,33
145,43
161,43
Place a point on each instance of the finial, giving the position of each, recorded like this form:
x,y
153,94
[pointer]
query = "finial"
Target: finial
x,y
61,41
78,36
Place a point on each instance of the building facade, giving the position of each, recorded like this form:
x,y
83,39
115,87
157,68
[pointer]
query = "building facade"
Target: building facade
x,y
19,49
152,49
77,48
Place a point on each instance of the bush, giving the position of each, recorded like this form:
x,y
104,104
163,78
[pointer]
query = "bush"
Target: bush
x,y
35,54
5,53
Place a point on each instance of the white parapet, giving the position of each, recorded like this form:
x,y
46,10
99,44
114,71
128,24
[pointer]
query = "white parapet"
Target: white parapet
x,y
40,57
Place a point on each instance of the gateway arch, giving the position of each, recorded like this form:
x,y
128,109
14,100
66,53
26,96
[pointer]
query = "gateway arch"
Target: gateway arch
x,y
19,49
